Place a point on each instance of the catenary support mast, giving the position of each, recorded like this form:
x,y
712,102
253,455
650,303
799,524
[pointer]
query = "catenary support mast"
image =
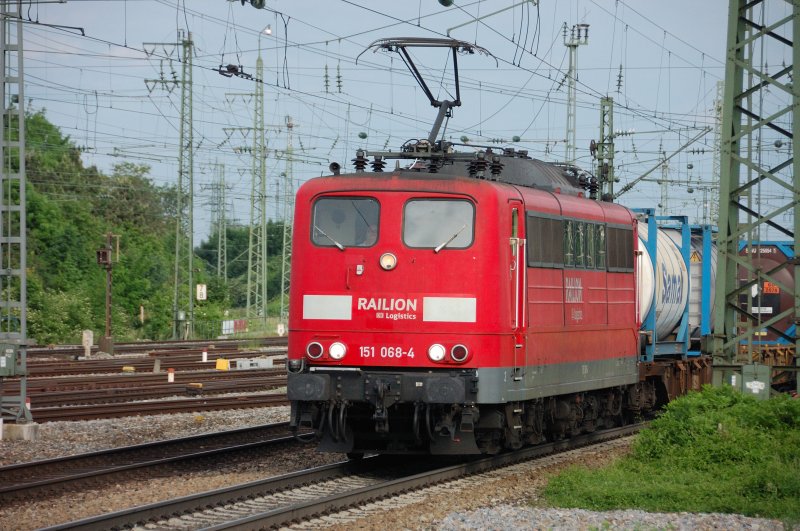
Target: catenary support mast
x,y
183,281
13,240
761,103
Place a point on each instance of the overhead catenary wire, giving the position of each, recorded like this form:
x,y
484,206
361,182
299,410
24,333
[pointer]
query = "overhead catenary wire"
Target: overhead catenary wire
x,y
328,109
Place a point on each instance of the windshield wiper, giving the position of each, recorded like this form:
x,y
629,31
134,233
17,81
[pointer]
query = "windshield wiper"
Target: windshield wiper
x,y
337,244
451,238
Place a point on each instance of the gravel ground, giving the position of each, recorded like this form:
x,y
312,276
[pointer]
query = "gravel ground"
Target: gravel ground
x,y
67,438
513,517
498,500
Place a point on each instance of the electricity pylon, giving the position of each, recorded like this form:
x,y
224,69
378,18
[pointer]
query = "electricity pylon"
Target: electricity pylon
x,y
605,148
257,250
288,221
578,35
219,218
257,242
183,289
759,154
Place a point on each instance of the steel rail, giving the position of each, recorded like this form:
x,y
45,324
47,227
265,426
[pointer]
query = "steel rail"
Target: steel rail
x,y
23,480
242,506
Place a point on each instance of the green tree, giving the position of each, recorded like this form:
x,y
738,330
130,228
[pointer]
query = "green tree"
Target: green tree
x,y
238,242
70,210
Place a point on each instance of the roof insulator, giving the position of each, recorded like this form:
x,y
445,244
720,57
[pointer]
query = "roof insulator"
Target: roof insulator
x,y
360,162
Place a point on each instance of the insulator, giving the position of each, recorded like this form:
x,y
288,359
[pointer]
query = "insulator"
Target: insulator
x,y
378,164
433,166
480,164
496,167
593,186
360,162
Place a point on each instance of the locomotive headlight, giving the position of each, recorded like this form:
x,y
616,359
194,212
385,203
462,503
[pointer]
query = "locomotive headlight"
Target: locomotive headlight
x,y
337,350
388,261
459,353
314,350
436,352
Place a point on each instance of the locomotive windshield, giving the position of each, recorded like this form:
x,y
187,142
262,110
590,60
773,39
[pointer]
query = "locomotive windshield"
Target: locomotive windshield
x,y
438,223
345,222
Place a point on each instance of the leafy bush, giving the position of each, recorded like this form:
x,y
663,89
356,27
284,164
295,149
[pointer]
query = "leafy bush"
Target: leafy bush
x,y
714,451
55,316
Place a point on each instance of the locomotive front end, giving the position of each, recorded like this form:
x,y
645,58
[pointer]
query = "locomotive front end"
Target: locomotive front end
x,y
386,330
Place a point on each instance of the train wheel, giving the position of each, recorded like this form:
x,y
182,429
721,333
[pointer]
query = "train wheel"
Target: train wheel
x,y
489,441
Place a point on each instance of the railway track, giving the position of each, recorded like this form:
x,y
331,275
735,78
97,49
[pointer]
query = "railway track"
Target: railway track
x,y
85,389
54,476
131,393
281,500
158,407
55,384
231,344
162,360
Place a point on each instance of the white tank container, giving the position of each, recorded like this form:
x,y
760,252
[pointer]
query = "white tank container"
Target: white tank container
x,y
696,273
668,278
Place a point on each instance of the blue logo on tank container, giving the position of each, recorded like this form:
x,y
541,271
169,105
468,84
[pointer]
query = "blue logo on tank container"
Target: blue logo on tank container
x,y
671,288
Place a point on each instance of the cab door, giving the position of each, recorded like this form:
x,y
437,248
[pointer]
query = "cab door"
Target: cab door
x,y
517,279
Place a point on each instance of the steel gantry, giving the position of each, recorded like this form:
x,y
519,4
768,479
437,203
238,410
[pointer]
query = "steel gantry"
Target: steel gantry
x,y
759,197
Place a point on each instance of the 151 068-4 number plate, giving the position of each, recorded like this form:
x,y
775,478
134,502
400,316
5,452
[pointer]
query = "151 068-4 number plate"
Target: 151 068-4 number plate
x,y
386,352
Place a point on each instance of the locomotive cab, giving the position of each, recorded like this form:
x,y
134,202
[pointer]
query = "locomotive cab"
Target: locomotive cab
x,y
403,292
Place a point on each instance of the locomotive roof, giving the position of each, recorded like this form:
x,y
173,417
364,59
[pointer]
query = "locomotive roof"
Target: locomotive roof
x,y
507,166
528,172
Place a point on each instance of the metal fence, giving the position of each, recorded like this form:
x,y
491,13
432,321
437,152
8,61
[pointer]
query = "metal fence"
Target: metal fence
x,y
237,328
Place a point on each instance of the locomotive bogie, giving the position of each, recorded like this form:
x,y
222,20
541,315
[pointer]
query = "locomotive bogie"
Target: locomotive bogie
x,y
451,428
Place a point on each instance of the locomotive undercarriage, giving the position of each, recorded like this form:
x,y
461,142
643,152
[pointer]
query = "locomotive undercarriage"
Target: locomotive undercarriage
x,y
384,423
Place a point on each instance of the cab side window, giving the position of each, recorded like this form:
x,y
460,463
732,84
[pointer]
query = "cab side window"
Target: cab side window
x,y
544,245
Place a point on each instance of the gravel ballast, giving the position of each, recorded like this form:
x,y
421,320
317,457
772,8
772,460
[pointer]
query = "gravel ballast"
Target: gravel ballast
x,y
513,517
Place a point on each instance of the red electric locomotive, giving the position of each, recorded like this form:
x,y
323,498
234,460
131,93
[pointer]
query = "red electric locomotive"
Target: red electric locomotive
x,y
466,303
440,312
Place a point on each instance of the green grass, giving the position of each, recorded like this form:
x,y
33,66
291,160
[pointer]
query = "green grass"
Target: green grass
x,y
713,451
